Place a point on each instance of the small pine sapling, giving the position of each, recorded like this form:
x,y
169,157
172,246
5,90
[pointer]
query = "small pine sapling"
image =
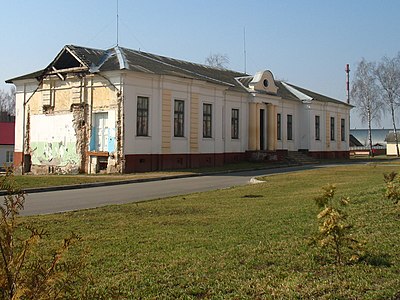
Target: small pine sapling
x,y
392,191
25,273
334,230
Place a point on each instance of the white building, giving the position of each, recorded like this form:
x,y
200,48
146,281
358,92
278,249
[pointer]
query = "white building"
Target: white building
x,y
123,110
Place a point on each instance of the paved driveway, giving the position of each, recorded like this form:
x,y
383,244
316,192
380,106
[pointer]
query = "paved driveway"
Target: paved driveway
x,y
76,199
83,198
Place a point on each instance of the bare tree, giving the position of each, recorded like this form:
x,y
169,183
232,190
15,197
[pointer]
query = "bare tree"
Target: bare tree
x,y
388,75
7,101
217,60
365,93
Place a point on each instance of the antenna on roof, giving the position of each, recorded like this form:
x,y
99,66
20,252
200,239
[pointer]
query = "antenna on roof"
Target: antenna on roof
x,y
117,23
244,48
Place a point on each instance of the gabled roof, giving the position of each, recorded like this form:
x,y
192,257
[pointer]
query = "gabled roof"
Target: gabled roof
x,y
354,142
119,58
318,97
7,130
391,137
89,60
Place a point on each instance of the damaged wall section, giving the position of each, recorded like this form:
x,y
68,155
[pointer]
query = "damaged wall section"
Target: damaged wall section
x,y
53,144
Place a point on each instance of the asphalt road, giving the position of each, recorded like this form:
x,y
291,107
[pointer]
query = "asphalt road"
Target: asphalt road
x,y
84,198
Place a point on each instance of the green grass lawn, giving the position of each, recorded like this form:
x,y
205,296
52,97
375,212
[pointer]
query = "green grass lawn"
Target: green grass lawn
x,y
250,242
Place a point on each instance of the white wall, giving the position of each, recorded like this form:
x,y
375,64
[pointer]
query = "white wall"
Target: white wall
x,y
24,90
53,140
151,86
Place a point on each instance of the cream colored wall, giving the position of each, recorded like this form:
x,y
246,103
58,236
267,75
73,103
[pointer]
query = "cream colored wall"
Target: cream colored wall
x,y
287,107
391,149
162,91
304,125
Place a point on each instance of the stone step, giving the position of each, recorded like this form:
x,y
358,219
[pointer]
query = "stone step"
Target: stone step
x,y
301,158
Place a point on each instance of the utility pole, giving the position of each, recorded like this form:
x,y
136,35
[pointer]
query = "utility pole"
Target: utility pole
x,y
348,83
348,93
117,23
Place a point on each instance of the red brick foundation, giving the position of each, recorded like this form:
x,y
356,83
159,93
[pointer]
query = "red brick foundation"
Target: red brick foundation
x,y
160,162
329,154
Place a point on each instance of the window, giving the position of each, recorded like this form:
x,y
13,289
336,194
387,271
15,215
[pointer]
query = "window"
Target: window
x,y
317,128
279,126
179,118
342,130
9,156
207,120
142,116
332,128
289,127
235,123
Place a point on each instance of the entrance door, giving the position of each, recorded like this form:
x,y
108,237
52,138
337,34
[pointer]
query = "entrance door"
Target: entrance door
x,y
262,129
101,131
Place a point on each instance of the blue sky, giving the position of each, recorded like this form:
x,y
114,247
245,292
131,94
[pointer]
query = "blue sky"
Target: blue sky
x,y
307,43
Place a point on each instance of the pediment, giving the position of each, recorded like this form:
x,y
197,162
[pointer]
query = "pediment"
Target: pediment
x,y
66,61
264,81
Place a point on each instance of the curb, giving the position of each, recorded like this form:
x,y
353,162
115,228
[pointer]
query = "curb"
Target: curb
x,y
140,180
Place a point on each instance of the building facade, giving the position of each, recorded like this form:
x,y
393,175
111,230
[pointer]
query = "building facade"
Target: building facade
x,y
121,110
7,133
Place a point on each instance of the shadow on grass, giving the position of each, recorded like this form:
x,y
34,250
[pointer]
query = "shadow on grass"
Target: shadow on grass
x,y
377,260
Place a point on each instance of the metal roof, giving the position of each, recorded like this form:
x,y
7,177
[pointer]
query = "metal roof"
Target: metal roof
x,y
119,58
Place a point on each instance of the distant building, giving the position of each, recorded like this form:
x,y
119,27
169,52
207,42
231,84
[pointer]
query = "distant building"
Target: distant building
x,y
121,110
359,141
391,143
378,136
7,133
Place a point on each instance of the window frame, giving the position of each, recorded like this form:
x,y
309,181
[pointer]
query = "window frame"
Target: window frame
x,y
142,116
332,129
317,128
279,127
235,123
343,130
207,120
289,127
9,157
179,118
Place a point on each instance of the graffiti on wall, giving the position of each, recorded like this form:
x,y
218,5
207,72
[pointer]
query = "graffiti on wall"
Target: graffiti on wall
x,y
54,153
53,141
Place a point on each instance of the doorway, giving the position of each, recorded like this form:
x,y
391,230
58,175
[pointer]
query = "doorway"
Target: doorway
x,y
101,131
